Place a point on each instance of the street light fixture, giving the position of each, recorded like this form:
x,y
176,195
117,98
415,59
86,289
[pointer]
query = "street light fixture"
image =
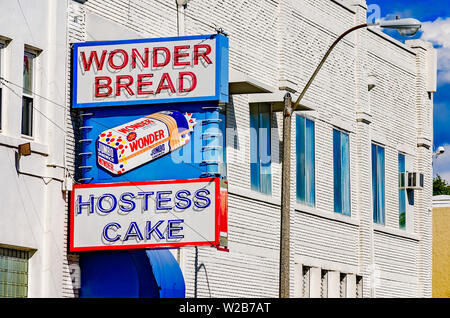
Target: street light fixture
x,y
440,151
406,27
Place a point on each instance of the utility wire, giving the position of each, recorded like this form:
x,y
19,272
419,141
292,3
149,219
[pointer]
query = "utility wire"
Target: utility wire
x,y
130,181
3,80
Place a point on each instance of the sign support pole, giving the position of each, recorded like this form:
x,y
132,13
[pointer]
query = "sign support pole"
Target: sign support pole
x,y
285,199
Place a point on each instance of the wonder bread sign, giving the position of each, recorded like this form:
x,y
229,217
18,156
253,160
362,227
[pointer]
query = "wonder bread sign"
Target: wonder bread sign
x,y
145,71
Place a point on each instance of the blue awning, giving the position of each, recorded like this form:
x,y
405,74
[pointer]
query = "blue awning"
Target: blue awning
x,y
167,273
131,274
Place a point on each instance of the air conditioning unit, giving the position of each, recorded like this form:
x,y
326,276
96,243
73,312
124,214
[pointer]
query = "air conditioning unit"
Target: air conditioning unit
x,y
415,181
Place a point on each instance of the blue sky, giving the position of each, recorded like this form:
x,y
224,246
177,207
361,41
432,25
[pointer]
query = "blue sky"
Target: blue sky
x,y
436,29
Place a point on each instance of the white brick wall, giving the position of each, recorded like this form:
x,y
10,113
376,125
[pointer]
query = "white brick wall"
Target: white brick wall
x,y
280,43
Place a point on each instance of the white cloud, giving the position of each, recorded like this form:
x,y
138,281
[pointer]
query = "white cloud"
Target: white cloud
x,y
438,33
441,164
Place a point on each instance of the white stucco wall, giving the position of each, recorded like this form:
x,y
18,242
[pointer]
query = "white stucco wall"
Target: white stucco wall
x,y
32,201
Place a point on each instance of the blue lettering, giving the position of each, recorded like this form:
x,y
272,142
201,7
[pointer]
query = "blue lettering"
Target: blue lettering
x,y
201,195
133,231
105,232
187,201
171,229
160,200
113,203
145,195
150,230
89,204
131,203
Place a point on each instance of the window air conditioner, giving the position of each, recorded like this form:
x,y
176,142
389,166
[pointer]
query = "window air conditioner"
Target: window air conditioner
x,y
415,181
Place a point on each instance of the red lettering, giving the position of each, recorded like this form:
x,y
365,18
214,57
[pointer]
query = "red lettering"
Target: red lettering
x,y
181,88
177,55
165,78
120,85
161,133
106,164
145,141
134,146
136,55
141,84
155,56
106,86
124,61
93,56
203,54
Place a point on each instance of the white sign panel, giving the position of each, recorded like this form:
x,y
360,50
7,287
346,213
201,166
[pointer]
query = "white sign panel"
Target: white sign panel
x,y
147,71
149,214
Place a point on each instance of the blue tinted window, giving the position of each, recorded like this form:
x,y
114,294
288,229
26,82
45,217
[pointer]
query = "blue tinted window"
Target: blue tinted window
x,y
260,148
378,184
305,161
401,193
341,172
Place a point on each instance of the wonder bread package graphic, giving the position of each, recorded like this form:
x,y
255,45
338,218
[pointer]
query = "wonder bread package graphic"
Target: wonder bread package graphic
x,y
125,147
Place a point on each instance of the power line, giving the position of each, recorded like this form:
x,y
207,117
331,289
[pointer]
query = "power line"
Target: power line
x,y
130,181
2,80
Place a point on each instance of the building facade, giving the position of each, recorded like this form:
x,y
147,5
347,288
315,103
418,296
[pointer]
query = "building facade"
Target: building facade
x,y
441,246
346,150
33,52
354,231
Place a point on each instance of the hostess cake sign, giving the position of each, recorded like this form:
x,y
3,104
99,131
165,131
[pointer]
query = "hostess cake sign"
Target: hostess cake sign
x,y
170,213
132,144
144,71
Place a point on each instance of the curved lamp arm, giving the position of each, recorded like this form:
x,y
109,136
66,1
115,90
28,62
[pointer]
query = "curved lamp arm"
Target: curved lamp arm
x,y
297,102
406,27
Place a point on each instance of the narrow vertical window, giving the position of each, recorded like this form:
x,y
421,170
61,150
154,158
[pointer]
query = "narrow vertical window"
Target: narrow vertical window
x,y
401,192
260,148
341,172
324,284
378,183
306,281
27,95
359,286
2,45
305,161
343,285
222,142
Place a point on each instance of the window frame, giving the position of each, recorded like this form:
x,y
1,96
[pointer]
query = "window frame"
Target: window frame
x,y
402,192
377,216
298,161
18,259
341,194
2,46
257,185
27,97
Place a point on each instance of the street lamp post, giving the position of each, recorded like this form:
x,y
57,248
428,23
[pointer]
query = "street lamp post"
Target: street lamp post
x,y
406,27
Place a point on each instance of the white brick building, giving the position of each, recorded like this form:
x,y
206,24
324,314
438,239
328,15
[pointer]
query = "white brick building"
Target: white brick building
x,y
275,45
